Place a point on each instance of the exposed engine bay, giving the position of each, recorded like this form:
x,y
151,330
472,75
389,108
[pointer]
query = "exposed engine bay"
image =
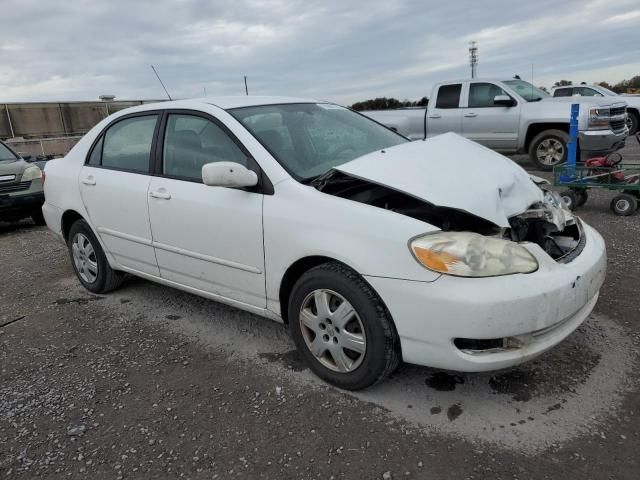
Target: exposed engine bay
x,y
548,224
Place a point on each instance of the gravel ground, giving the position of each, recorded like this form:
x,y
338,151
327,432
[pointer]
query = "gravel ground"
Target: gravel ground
x,y
149,382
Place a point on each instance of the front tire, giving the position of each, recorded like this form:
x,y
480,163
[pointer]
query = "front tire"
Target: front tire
x,y
548,149
633,122
342,328
89,261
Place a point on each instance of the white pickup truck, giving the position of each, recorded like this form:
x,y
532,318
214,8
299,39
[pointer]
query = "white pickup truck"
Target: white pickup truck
x,y
633,101
513,116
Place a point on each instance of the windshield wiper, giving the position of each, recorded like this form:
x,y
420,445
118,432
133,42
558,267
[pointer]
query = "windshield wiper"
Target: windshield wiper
x,y
536,99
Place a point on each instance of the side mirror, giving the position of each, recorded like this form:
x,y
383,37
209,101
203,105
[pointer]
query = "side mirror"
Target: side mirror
x,y
228,174
504,100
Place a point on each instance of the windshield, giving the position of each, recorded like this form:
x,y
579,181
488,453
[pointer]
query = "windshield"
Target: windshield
x,y
5,153
608,92
309,139
526,90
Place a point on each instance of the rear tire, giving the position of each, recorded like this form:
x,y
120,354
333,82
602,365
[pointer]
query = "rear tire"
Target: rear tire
x,y
89,261
548,149
323,335
624,204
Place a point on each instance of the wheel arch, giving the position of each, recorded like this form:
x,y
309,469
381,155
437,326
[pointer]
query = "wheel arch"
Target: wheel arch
x,y
537,128
299,268
69,217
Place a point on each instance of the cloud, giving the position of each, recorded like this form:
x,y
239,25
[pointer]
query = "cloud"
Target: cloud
x,y
331,49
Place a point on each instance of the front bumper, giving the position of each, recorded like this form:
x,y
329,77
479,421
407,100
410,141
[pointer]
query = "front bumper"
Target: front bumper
x,y
539,309
595,143
23,203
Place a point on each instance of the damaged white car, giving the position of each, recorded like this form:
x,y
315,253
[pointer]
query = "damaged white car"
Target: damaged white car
x,y
373,249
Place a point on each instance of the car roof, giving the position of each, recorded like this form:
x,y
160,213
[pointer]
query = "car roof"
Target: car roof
x,y
463,80
574,85
253,101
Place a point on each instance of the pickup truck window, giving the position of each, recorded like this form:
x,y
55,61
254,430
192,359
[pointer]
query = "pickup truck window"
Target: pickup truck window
x,y
527,90
563,92
586,92
449,96
309,139
481,94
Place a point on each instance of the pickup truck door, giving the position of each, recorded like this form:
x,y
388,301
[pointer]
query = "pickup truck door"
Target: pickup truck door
x,y
445,115
494,126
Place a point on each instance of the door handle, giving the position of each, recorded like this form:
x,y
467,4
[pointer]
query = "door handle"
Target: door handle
x,y
435,115
160,195
88,181
470,115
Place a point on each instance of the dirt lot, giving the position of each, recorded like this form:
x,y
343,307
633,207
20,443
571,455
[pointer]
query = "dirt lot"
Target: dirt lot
x,y
149,382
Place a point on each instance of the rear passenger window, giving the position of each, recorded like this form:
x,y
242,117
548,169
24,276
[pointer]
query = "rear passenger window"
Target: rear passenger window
x,y
449,96
127,144
191,141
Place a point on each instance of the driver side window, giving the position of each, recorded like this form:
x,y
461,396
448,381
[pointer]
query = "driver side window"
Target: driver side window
x,y
191,141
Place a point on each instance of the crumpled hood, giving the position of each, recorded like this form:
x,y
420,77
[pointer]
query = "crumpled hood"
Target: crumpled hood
x,y
451,171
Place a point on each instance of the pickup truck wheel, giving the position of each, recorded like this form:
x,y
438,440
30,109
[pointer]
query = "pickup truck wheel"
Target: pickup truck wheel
x,y
89,261
633,122
342,328
548,149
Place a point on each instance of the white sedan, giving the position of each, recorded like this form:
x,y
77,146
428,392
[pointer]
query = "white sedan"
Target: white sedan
x,y
371,248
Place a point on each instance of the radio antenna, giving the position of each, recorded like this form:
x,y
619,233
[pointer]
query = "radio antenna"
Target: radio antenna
x,y
160,80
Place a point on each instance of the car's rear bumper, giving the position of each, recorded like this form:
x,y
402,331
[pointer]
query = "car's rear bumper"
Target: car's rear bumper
x,y
53,217
532,312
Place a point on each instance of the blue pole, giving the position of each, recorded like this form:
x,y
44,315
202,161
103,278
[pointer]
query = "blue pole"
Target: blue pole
x,y
573,136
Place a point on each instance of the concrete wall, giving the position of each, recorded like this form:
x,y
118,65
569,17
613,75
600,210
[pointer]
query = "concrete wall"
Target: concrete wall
x,y
53,128
37,120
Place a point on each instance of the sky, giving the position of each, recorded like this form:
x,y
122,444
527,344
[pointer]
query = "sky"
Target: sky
x,y
337,50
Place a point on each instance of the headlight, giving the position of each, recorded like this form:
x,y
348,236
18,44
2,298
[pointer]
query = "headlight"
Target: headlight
x,y
466,254
599,117
31,173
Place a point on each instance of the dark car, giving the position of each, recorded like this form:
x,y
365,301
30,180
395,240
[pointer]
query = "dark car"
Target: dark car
x,y
21,193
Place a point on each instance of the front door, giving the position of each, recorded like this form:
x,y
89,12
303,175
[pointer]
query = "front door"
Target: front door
x,y
494,126
208,238
114,184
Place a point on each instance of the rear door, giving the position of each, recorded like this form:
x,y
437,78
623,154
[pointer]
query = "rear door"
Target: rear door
x,y
114,183
207,238
446,114
495,126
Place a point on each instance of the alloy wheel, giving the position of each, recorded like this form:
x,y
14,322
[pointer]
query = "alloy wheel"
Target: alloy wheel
x,y
550,151
84,258
332,331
